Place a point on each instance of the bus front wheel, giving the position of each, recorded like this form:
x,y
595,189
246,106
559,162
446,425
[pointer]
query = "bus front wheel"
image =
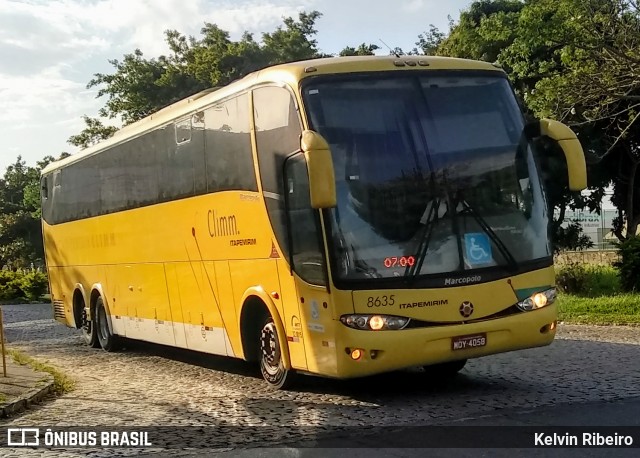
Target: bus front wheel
x,y
108,341
271,360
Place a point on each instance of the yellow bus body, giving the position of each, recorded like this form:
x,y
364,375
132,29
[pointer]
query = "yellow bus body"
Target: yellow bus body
x,y
177,273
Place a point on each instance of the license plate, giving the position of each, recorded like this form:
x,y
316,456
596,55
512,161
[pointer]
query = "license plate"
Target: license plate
x,y
468,342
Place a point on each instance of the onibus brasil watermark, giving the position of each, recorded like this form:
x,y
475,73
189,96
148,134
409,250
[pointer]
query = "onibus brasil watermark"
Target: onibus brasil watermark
x,y
38,437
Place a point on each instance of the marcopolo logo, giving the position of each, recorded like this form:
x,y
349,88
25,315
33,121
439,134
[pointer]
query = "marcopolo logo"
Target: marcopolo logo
x,y
466,309
462,280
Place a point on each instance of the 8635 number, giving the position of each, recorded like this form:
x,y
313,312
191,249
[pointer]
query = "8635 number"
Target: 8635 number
x,y
381,301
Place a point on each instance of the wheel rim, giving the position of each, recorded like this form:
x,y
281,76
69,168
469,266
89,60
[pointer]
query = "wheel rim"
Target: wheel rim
x,y
270,349
103,325
86,324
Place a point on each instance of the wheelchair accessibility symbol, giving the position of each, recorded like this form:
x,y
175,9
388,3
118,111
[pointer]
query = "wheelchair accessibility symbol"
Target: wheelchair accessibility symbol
x,y
477,248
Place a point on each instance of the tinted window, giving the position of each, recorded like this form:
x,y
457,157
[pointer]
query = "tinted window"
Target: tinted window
x,y
306,251
180,159
277,133
229,160
142,171
277,136
433,175
168,163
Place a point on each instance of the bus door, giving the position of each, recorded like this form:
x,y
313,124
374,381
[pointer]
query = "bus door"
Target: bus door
x,y
308,263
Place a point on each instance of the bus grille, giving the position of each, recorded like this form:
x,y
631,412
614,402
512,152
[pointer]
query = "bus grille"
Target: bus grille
x,y
512,310
58,310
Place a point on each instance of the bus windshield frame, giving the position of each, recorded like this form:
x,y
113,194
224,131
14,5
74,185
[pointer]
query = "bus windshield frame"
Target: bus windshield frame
x,y
450,171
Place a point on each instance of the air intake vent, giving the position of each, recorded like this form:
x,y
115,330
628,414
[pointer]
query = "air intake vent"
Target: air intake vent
x,y
58,310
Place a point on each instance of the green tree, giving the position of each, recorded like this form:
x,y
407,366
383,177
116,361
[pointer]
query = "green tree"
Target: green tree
x,y
20,228
362,50
483,31
576,61
20,233
94,132
588,79
430,42
141,86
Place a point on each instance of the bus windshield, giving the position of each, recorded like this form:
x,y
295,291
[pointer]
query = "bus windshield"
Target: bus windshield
x,y
434,175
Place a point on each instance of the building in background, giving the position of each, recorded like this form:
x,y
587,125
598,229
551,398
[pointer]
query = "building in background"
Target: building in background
x,y
598,227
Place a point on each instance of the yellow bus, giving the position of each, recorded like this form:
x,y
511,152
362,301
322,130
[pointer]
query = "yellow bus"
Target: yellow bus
x,y
339,217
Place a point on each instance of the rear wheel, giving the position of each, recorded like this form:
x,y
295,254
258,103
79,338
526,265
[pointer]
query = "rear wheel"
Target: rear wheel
x,y
271,360
89,333
108,341
445,370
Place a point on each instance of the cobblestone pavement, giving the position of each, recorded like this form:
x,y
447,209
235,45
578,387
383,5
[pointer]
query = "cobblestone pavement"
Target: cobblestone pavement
x,y
149,385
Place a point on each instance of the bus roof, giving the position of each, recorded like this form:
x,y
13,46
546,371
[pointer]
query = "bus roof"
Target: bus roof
x,y
290,73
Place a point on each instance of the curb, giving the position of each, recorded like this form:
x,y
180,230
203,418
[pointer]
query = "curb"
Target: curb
x,y
25,401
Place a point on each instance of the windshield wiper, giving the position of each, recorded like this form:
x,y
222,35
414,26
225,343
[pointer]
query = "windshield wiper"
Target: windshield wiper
x,y
425,238
513,264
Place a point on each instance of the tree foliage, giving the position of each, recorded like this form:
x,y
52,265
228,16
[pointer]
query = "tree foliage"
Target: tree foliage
x,y
430,42
629,264
577,61
141,86
20,228
94,132
362,50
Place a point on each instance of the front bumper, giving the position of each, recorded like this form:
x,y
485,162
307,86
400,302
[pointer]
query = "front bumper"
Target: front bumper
x,y
423,346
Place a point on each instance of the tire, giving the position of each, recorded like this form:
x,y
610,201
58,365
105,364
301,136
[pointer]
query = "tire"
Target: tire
x,y
89,333
108,341
271,362
446,370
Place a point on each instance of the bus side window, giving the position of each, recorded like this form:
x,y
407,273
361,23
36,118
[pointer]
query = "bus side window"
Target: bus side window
x,y
306,248
228,156
277,132
183,130
44,188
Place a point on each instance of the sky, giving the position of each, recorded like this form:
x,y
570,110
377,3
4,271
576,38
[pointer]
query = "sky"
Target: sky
x,y
50,49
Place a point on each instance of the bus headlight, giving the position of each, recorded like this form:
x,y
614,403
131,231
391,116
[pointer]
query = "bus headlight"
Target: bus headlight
x,y
538,300
375,322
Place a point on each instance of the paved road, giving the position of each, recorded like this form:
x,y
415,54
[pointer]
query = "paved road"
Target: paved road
x,y
149,385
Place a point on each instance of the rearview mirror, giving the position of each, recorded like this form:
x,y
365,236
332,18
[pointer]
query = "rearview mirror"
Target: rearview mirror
x,y
568,141
322,183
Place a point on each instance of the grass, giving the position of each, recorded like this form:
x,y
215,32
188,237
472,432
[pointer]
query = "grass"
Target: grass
x,y
604,310
592,294
3,398
61,382
588,280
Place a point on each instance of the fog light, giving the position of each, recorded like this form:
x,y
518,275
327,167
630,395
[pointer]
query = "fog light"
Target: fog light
x,y
356,353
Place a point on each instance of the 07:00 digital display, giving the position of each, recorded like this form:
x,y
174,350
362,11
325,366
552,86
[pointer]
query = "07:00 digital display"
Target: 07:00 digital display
x,y
402,261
